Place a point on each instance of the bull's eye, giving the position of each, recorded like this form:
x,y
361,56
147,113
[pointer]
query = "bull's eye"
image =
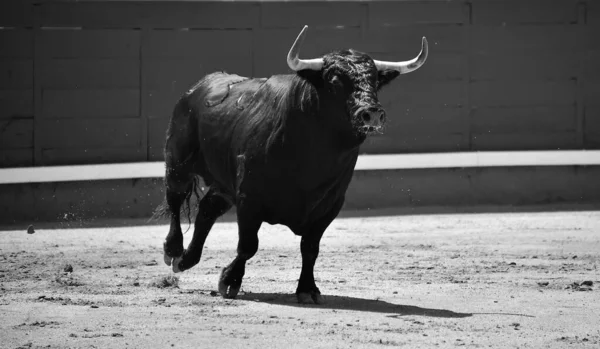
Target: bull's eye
x,y
336,84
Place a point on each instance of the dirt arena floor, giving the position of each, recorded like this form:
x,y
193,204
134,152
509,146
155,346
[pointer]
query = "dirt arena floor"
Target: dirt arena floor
x,y
500,280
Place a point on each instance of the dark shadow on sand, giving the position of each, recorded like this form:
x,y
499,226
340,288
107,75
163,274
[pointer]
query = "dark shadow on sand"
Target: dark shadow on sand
x,y
352,303
362,304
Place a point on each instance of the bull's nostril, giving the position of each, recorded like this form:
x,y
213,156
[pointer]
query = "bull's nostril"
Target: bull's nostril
x,y
381,116
367,117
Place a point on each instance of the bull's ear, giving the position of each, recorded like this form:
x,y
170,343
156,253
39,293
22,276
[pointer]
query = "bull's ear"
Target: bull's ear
x,y
384,77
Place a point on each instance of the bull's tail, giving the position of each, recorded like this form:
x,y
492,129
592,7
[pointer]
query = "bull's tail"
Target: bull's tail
x,y
187,208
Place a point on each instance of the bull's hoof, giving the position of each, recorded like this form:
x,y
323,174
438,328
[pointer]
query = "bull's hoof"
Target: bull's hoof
x,y
175,263
228,289
169,254
310,298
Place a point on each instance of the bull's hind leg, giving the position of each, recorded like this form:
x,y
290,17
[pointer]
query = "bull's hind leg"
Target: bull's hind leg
x,y
178,187
211,206
230,281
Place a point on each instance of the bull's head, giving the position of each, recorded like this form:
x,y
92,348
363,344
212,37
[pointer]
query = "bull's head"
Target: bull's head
x,y
353,78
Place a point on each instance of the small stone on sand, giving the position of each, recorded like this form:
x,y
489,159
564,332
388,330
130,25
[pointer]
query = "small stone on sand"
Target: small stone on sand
x,y
30,229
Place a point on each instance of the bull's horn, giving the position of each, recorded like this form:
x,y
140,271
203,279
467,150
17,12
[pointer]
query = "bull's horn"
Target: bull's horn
x,y
296,63
406,66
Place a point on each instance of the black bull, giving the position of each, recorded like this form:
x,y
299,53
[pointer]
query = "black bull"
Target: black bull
x,y
281,150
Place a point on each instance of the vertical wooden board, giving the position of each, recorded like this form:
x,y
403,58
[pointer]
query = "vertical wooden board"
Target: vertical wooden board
x,y
16,104
85,155
314,14
522,93
273,46
593,13
15,134
203,44
591,92
503,39
407,40
429,93
94,44
523,12
16,13
16,43
90,73
422,143
524,65
115,103
591,69
16,74
178,75
16,158
523,119
524,141
384,13
90,133
157,135
183,14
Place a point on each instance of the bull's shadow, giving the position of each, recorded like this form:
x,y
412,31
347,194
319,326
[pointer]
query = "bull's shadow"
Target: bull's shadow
x,y
352,303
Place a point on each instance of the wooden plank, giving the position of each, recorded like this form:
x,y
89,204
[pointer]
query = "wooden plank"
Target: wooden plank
x,y
524,65
16,133
314,14
178,75
592,126
205,44
90,73
112,14
94,44
419,93
90,156
523,93
383,13
421,143
405,120
407,40
524,12
524,119
525,141
90,133
555,38
16,104
16,157
16,13
115,103
157,135
16,74
274,45
16,43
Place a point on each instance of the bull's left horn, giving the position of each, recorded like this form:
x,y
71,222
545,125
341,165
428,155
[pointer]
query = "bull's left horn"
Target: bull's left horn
x,y
406,66
296,63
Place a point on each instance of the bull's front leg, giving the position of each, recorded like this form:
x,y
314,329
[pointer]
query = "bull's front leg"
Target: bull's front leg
x,y
307,291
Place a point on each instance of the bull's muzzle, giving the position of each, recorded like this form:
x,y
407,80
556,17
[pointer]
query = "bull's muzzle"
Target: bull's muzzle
x,y
373,119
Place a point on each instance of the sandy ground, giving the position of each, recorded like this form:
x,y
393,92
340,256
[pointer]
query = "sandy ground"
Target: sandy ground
x,y
502,280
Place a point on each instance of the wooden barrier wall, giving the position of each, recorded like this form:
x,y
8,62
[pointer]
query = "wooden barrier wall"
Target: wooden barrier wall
x,y
95,81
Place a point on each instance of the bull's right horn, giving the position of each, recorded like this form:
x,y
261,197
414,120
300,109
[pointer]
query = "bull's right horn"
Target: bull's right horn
x,y
296,63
